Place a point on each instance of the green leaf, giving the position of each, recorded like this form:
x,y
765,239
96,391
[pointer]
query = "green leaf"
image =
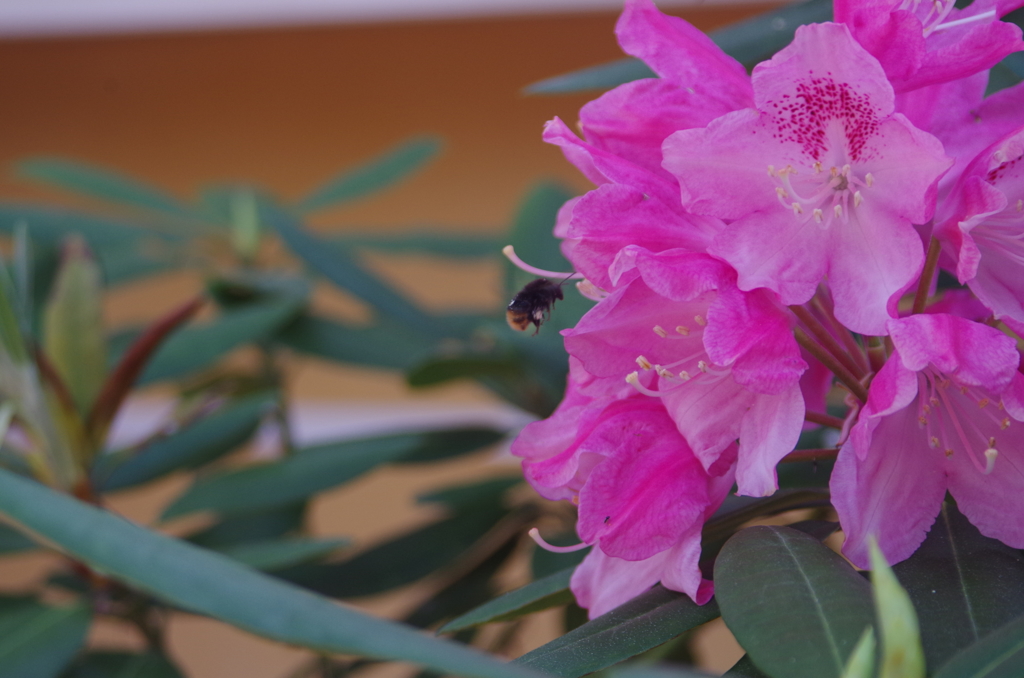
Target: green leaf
x,y
532,233
96,182
784,595
427,241
199,346
749,42
399,561
122,665
464,497
209,584
439,370
37,640
745,668
278,554
674,671
339,265
385,344
551,591
73,336
306,472
269,525
445,444
197,444
650,619
13,541
902,656
381,172
999,654
862,659
52,225
964,585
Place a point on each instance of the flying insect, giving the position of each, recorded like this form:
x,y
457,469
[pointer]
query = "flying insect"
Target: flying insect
x,y
533,304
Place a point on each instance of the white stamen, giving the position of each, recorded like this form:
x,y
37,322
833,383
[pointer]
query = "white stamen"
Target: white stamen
x,y
699,319
797,209
643,362
869,179
683,330
663,372
857,199
684,375
510,252
838,209
771,171
781,192
590,290
660,331
817,167
990,459
535,536
817,215
971,19
703,366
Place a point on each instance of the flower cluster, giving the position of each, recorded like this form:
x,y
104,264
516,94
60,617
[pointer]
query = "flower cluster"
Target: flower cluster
x,y
757,242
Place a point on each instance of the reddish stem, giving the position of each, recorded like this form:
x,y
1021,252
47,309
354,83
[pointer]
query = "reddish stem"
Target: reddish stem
x,y
842,374
824,420
827,340
925,283
823,454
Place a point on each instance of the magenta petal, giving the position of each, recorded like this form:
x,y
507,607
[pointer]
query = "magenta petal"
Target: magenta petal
x,y
994,503
709,415
601,583
769,432
893,494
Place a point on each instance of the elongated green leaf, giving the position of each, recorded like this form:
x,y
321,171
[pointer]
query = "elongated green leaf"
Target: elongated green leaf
x,y
647,621
122,665
196,347
51,225
634,671
193,446
278,554
259,526
379,173
1000,654
13,541
551,591
73,335
210,584
428,241
400,561
437,445
37,640
902,656
784,596
440,370
384,344
465,497
964,585
745,668
100,183
749,42
339,265
862,660
302,474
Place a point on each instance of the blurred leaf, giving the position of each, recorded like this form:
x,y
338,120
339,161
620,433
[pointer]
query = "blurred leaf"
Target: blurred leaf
x,y
73,335
785,595
532,233
902,656
862,659
275,555
445,444
426,241
745,668
635,670
1000,654
439,370
1007,73
399,561
749,42
551,591
52,225
125,262
37,640
96,182
199,346
13,541
122,665
258,526
209,584
964,585
805,474
650,619
382,345
195,445
464,497
337,264
381,172
245,225
306,472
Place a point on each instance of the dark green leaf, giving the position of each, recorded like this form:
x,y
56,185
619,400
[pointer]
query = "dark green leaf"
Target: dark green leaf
x,y
385,344
275,555
13,541
379,173
999,654
400,561
465,497
440,370
745,668
428,241
437,445
206,583
532,233
551,591
650,619
199,346
51,225
1007,73
37,640
749,42
963,585
100,183
340,265
122,665
308,471
795,606
197,444
259,526
664,671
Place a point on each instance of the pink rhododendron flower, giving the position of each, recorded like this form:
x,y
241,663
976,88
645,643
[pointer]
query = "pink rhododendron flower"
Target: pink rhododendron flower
x,y
925,42
941,416
821,179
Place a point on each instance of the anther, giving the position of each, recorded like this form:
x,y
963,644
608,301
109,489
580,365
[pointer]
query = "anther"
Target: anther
x,y
684,375
797,209
683,330
983,403
699,319
949,453
817,215
857,199
633,378
781,192
833,172
817,167
869,179
660,331
838,209
663,372
934,441
1004,424
643,362
771,171
922,421
703,366
990,459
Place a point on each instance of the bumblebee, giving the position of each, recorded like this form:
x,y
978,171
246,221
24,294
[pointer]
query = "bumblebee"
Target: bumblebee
x,y
533,304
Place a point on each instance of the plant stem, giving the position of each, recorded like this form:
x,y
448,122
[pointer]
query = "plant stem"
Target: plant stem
x,y
824,420
925,283
810,455
827,340
844,375
824,306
